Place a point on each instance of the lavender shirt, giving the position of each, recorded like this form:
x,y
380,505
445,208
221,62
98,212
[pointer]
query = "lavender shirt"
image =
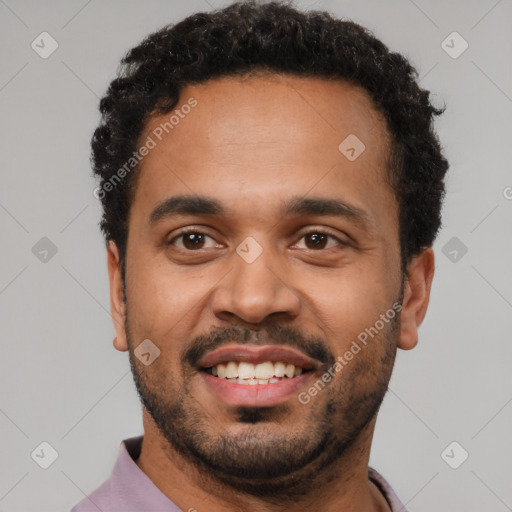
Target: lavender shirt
x,y
128,489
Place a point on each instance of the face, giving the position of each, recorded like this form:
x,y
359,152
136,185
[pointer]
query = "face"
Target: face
x,y
254,241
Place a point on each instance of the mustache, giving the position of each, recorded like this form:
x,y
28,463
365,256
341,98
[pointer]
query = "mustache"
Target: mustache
x,y
280,335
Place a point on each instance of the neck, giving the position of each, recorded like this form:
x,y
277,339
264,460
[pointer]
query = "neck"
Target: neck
x,y
343,485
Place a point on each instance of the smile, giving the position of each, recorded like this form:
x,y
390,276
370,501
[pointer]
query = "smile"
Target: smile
x,y
245,373
256,375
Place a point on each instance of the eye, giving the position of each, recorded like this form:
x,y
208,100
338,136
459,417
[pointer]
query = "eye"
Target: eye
x,y
191,240
319,239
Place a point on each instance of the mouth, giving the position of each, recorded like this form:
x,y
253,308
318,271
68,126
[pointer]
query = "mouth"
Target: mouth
x,y
244,373
255,376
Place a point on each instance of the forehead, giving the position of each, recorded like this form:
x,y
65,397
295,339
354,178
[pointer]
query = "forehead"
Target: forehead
x,y
254,140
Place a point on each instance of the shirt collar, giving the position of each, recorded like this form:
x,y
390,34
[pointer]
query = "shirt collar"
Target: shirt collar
x,y
130,484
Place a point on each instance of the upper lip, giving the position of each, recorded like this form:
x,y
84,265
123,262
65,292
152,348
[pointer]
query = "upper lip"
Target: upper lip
x,y
257,354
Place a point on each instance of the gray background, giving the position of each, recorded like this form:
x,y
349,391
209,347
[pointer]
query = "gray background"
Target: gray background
x,y
62,381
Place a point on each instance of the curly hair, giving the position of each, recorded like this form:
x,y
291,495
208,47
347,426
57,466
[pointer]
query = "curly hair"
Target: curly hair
x,y
273,37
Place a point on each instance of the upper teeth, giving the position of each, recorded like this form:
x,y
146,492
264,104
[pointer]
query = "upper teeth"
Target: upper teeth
x,y
244,370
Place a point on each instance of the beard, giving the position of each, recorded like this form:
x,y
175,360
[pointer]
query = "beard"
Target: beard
x,y
264,455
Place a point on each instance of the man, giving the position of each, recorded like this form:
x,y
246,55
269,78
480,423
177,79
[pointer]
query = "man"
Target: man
x,y
271,185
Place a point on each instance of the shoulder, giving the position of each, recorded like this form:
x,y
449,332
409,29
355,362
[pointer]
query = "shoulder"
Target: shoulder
x,y
386,489
99,499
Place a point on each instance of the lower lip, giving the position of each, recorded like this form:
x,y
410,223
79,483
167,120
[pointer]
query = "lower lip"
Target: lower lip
x,y
257,395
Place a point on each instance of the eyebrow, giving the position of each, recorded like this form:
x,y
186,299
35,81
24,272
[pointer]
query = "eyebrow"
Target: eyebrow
x,y
187,205
204,205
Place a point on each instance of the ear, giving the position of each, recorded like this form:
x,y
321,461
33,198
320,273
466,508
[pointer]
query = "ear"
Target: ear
x,y
117,304
420,272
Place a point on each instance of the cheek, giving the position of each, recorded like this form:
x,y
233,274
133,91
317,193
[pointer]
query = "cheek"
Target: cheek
x,y
161,304
366,362
350,303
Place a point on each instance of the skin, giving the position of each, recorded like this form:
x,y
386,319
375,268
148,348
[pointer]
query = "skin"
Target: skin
x,y
252,143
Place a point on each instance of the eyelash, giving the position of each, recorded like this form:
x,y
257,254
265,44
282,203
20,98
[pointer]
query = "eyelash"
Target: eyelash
x,y
311,232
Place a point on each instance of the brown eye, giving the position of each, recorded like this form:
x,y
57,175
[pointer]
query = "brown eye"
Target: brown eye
x,y
317,240
190,240
193,240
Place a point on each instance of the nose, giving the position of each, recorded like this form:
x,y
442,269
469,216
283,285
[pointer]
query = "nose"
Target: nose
x,y
253,291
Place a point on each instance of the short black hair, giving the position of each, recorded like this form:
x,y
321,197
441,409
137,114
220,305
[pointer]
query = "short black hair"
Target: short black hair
x,y
274,37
